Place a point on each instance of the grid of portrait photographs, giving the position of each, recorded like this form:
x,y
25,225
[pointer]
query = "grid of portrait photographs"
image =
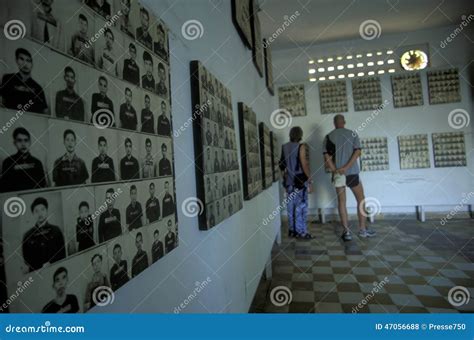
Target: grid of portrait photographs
x,y
374,154
241,17
407,90
292,98
257,49
275,157
367,93
333,97
216,161
87,168
444,86
413,150
265,155
267,55
249,150
449,149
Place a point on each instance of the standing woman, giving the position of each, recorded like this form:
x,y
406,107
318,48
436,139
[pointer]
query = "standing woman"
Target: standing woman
x,y
294,162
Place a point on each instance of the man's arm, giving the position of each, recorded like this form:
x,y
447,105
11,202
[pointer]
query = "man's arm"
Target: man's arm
x,y
304,160
356,154
329,162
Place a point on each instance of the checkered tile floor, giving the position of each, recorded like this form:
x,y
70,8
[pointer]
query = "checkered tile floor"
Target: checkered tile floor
x,y
414,266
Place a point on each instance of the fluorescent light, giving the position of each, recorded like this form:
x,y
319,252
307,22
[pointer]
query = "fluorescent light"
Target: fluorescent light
x,y
390,61
332,77
389,52
370,63
392,70
360,74
360,64
312,71
340,67
351,75
312,79
320,60
369,54
350,66
321,69
349,57
339,58
380,62
371,73
379,53
330,59
341,76
359,56
381,72
322,78
311,61
331,68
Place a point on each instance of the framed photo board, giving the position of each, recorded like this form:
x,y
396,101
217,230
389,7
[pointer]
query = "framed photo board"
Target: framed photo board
x,y
333,97
374,154
275,157
292,98
216,161
265,155
414,153
268,67
407,90
241,17
449,149
257,48
444,86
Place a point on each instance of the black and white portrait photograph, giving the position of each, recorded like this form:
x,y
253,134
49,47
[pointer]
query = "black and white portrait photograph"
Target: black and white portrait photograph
x,y
129,103
119,262
95,274
105,164
108,49
79,33
130,146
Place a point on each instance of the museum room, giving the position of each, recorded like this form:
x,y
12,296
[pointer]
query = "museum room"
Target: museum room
x,y
250,156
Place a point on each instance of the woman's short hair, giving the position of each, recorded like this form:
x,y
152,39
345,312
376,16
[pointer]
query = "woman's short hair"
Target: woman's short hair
x,y
296,134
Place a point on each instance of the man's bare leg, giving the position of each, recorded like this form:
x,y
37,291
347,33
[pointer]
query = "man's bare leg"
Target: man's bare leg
x,y
358,192
341,206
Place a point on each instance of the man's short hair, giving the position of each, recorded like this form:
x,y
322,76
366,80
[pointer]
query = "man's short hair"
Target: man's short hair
x,y
133,187
139,234
147,57
143,10
164,147
108,30
296,134
110,191
59,271
156,232
22,51
337,117
132,45
39,201
102,139
117,246
69,69
147,96
96,255
104,79
151,184
83,204
127,140
161,66
21,131
83,17
128,89
69,132
148,141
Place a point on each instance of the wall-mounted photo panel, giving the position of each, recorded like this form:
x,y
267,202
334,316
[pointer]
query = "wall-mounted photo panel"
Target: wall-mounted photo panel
x,y
444,86
374,155
292,98
241,17
268,67
215,164
257,48
333,97
407,90
249,150
276,151
449,149
367,93
414,151
265,155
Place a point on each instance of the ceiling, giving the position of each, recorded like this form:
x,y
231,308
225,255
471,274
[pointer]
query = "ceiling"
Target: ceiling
x,y
322,21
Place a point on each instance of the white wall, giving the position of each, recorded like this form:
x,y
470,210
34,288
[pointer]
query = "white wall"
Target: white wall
x,y
232,254
397,190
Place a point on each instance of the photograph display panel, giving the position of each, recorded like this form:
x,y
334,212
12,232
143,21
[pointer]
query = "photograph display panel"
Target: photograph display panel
x,y
449,149
444,86
374,155
268,67
257,49
407,90
275,157
217,163
333,97
367,93
265,155
87,168
292,98
414,153
242,19
249,149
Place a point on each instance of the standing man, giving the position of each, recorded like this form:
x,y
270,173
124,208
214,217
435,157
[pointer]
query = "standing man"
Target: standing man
x,y
165,164
19,89
170,239
100,101
134,211
69,105
129,168
149,163
128,115
131,70
152,206
143,35
109,221
341,150
140,260
69,169
148,120
157,251
168,202
164,126
103,169
22,171
118,272
63,302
